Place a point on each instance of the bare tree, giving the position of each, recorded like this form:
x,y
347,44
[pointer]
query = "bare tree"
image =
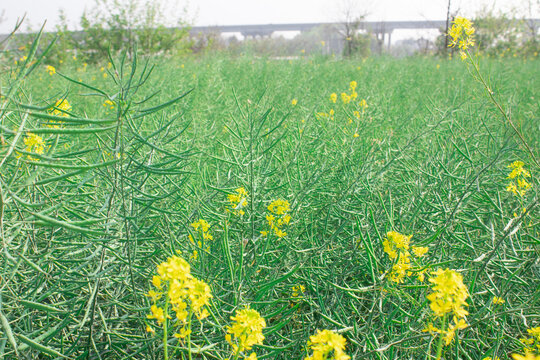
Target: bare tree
x,y
350,16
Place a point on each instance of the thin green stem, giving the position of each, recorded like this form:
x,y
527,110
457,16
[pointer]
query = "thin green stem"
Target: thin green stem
x,y
189,334
498,106
440,343
165,332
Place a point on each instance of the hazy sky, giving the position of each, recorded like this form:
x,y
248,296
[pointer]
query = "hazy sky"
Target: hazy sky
x,y
232,12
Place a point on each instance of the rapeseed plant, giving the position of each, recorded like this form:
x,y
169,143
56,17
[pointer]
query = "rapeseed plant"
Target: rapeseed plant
x,y
246,332
532,341
50,69
327,345
462,34
278,217
238,201
448,298
528,356
398,248
518,184
61,108
184,294
33,144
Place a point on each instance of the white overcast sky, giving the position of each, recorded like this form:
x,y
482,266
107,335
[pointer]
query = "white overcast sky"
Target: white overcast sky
x,y
236,12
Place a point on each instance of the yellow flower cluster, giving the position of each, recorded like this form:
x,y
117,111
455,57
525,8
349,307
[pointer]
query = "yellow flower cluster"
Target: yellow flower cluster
x,y
528,356
298,290
329,114
278,217
60,108
462,35
532,342
238,201
448,298
50,69
327,345
518,184
34,144
247,329
108,103
294,102
397,247
184,293
498,300
203,228
347,98
490,358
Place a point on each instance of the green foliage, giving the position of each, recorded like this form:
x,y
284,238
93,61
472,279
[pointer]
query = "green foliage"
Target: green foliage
x,y
139,159
358,45
114,25
499,35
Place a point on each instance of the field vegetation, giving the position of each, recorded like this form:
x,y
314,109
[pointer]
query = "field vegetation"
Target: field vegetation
x,y
219,207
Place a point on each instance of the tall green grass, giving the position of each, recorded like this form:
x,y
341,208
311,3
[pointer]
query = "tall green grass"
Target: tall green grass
x,y
84,227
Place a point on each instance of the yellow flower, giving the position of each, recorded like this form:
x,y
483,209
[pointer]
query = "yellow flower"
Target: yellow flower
x,y
352,85
34,144
278,217
199,294
279,207
461,33
333,97
498,300
61,108
298,290
109,103
518,184
238,201
449,293
419,251
345,98
326,342
50,69
247,329
294,102
363,104
157,313
528,356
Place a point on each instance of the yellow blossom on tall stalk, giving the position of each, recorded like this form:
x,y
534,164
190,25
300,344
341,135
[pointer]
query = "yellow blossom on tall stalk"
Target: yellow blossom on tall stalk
x,y
33,144
498,300
108,103
461,34
50,69
518,184
175,287
528,356
238,201
531,343
278,217
246,331
203,227
327,345
363,104
397,247
448,298
60,108
333,97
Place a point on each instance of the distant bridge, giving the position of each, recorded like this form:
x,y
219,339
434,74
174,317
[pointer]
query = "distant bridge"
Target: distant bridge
x,y
268,29
379,28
